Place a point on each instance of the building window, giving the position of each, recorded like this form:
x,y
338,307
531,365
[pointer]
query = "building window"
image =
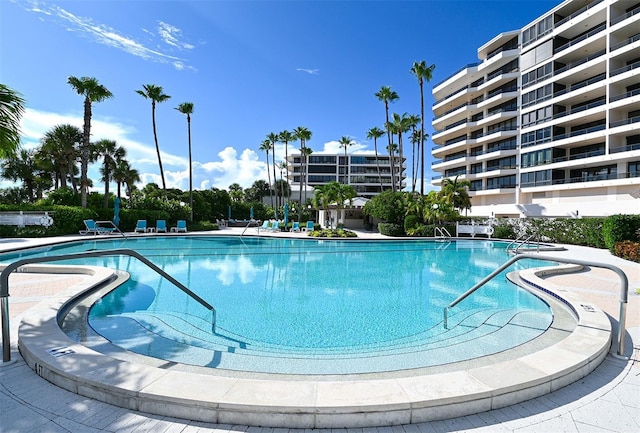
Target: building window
x,y
502,182
634,169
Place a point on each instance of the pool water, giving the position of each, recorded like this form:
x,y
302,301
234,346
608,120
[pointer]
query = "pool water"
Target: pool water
x,y
313,306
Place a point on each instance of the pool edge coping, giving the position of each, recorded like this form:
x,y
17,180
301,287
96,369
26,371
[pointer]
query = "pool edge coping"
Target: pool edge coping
x,y
311,404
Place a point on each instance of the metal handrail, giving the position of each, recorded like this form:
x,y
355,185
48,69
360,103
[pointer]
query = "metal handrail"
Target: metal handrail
x,y
624,287
441,232
522,242
4,286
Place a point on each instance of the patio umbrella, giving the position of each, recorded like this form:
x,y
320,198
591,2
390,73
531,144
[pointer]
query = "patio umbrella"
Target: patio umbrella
x,y
229,212
116,211
286,214
251,213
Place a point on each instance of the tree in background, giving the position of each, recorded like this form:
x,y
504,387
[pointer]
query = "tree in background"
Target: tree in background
x,y
346,142
11,111
61,147
186,108
265,146
236,192
422,73
376,133
112,155
273,139
285,137
156,94
302,134
386,95
92,91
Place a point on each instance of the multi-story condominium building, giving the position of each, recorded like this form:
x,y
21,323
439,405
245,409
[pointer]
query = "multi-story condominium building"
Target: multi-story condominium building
x,y
358,170
547,123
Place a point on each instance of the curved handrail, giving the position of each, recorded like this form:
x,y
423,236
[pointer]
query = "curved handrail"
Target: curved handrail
x,y
624,287
4,285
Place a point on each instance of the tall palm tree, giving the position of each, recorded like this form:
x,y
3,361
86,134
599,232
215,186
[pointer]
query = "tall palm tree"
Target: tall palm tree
x,y
155,93
303,134
414,121
111,155
187,109
273,139
283,168
285,137
266,147
422,73
11,111
131,176
92,91
346,142
61,145
376,133
23,167
400,125
386,95
120,174
305,152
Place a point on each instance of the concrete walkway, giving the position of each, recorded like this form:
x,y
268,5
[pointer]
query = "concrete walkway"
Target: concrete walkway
x,y
607,400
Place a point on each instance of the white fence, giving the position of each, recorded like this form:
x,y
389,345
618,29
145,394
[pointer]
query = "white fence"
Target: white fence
x,y
22,219
473,229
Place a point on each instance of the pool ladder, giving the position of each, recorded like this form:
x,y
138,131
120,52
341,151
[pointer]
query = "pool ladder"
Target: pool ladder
x,y
4,287
441,232
624,286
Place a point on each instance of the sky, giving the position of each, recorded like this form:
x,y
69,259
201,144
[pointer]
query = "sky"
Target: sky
x,y
249,67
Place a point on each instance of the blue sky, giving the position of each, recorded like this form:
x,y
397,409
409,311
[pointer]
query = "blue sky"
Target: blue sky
x,y
249,67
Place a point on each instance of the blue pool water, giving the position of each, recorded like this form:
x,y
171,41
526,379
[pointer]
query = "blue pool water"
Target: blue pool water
x,y
312,306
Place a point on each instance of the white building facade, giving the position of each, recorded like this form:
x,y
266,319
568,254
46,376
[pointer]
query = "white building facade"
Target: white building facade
x,y
358,170
547,123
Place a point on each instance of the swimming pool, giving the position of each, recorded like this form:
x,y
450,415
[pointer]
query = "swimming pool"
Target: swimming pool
x,y
302,306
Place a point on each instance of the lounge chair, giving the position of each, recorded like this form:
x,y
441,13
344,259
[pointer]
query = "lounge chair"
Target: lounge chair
x,y
309,227
91,228
141,226
265,226
275,226
161,226
181,226
295,227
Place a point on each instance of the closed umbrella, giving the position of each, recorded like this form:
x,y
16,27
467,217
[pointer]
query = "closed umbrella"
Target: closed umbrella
x,y
229,213
116,211
251,213
286,214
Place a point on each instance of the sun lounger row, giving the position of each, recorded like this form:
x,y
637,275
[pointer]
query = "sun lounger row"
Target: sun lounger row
x,y
274,226
161,227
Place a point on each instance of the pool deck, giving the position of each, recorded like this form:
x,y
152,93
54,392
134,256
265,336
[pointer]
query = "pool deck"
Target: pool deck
x,y
606,400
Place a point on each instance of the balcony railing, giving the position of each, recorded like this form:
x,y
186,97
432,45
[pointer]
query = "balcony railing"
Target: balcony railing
x,y
576,41
626,69
588,178
576,13
625,95
627,148
579,132
629,14
625,43
622,122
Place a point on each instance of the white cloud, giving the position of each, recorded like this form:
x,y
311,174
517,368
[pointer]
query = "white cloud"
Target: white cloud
x,y
243,168
108,36
309,71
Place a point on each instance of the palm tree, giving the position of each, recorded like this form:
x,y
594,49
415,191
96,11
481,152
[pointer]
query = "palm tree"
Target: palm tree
x,y
305,152
376,133
61,145
303,134
236,192
400,125
23,167
422,73
456,193
11,111
92,91
283,167
153,92
273,139
187,109
111,155
386,95
346,142
266,147
414,121
125,175
285,137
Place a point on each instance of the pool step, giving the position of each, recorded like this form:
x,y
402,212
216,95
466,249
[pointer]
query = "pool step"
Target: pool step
x,y
141,333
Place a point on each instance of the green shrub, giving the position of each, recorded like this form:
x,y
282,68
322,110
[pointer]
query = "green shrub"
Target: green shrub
x,y
411,222
618,228
390,229
505,231
332,233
